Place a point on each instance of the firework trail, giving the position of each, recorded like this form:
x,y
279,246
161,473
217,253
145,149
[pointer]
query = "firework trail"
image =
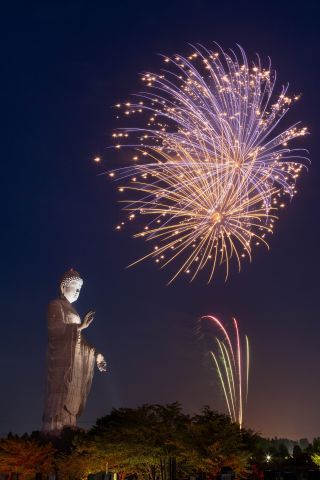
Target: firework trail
x,y
232,368
211,166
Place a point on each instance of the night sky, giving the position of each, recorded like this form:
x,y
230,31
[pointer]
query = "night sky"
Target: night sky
x,y
64,66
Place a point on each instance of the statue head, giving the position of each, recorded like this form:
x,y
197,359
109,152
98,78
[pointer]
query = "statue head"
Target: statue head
x,y
70,285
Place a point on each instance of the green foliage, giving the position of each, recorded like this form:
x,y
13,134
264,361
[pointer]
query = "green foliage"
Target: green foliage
x,y
77,465
139,441
152,440
144,441
214,442
315,457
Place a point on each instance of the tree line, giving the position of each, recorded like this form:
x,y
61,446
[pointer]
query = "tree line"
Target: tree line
x,y
153,442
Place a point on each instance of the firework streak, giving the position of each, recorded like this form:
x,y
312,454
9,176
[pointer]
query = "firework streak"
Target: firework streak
x,y
232,368
211,165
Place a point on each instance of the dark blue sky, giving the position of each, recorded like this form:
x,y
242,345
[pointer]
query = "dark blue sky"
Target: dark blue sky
x,y
64,65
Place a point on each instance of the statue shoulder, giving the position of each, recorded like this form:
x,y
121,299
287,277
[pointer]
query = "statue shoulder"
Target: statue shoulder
x,y
55,301
55,308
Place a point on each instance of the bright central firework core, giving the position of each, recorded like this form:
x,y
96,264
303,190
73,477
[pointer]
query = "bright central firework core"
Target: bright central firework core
x,y
209,139
216,217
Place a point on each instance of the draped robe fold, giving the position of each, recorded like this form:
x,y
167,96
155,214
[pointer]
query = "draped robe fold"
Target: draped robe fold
x,y
70,366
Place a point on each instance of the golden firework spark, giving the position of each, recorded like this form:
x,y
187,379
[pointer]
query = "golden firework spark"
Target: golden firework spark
x,y
232,368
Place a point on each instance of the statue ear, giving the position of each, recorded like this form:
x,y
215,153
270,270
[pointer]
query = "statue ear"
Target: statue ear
x,y
62,287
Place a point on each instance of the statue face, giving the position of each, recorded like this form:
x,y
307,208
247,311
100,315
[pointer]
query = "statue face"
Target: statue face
x,y
72,290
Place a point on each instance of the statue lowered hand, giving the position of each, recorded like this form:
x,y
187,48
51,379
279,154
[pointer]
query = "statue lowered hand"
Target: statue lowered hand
x,y
101,363
88,319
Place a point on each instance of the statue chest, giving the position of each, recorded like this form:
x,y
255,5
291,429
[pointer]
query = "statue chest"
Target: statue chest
x,y
72,317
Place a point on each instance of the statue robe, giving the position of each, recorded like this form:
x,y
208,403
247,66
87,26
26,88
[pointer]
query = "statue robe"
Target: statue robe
x,y
70,366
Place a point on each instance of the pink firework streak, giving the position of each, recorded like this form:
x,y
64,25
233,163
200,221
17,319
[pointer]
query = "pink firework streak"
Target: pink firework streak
x,y
232,368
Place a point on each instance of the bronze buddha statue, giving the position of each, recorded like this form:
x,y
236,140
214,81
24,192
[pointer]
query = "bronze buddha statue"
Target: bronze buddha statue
x,y
70,359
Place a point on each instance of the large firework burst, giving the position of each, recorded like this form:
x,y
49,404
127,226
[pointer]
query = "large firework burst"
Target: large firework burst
x,y
211,166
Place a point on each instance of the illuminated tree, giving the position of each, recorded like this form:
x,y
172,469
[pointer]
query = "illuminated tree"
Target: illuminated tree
x,y
25,457
149,440
78,464
140,441
215,442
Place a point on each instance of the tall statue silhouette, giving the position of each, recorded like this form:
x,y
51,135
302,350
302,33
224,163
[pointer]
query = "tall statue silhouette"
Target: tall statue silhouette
x,y
70,359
